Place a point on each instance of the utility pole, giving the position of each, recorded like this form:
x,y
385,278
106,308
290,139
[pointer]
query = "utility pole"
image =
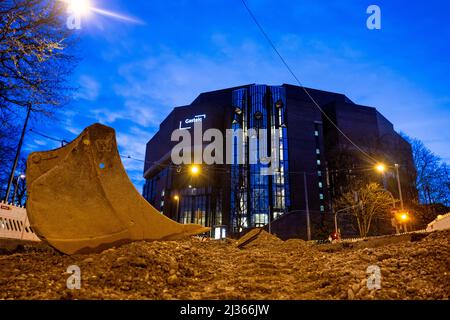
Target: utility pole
x,y
21,176
399,186
19,147
308,222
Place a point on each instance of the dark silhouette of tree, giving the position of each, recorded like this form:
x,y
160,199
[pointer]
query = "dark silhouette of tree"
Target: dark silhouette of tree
x,y
35,62
433,175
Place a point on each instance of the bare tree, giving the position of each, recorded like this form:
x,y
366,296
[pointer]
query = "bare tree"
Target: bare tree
x,y
9,132
433,175
34,66
34,61
372,201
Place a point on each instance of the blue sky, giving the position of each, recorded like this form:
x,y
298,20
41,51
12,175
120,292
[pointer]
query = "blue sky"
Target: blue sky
x,y
132,74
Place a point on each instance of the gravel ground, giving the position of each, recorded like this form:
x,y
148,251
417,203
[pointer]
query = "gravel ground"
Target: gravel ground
x,y
267,268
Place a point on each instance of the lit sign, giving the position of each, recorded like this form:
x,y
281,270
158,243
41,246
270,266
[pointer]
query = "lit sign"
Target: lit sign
x,y
198,118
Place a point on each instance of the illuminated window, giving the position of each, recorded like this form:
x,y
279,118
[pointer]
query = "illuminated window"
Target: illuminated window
x,y
322,208
316,133
319,173
320,185
318,162
321,196
317,151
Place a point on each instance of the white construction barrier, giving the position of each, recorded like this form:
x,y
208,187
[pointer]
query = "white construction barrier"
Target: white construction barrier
x,y
442,222
14,223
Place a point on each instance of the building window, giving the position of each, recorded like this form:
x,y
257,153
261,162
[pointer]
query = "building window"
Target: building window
x,y
317,151
320,184
321,196
319,173
318,162
316,133
322,208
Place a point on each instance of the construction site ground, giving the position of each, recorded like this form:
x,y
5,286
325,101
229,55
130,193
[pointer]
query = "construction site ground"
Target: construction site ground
x,y
412,267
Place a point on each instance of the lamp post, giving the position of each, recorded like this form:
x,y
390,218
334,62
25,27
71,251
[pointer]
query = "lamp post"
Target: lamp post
x,y
399,186
177,199
308,221
21,176
194,170
19,148
403,218
380,167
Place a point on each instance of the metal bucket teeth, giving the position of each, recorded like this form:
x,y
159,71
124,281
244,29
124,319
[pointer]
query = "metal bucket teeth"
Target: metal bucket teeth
x,y
80,199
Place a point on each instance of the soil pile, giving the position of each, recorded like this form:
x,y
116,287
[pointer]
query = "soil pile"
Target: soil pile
x,y
266,268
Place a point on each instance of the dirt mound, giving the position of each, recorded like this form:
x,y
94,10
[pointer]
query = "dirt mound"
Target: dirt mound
x,y
263,240
298,244
266,268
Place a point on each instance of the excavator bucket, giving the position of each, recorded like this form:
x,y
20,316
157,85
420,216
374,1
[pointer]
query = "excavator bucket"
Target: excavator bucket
x,y
80,199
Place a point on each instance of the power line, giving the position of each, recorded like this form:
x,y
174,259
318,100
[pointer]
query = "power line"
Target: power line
x,y
174,166
266,36
48,137
131,158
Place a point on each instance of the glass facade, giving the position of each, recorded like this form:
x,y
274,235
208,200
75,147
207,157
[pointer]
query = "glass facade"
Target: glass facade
x,y
257,197
201,206
151,186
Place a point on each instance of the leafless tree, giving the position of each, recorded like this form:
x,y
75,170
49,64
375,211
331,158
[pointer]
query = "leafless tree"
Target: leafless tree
x,y
433,175
372,201
34,60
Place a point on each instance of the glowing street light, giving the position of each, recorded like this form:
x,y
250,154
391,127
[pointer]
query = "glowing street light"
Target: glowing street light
x,y
380,167
176,198
195,170
404,217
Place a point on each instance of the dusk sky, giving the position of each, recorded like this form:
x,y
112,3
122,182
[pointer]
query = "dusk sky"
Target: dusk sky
x,y
133,73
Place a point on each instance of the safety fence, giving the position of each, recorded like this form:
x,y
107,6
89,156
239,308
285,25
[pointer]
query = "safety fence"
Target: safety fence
x,y
384,236
442,222
368,238
14,223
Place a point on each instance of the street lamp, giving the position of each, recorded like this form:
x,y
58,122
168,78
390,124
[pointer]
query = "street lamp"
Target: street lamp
x,y
380,167
21,176
402,217
194,170
177,199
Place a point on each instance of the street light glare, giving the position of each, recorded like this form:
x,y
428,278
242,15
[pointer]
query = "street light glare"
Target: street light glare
x,y
176,197
22,176
380,167
404,217
80,7
195,170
